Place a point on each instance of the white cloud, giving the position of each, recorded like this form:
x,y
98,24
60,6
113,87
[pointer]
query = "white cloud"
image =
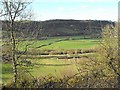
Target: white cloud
x,y
101,9
84,6
80,16
60,8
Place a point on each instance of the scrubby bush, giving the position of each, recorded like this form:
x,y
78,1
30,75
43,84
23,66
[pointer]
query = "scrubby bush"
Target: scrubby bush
x,y
79,80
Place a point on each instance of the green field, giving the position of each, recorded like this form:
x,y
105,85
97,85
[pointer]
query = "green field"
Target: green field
x,y
52,65
44,67
73,42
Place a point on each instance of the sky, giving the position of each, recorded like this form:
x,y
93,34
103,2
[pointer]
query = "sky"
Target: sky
x,y
75,9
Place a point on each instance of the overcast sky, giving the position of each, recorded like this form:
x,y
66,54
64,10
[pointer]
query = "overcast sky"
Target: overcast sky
x,y
75,9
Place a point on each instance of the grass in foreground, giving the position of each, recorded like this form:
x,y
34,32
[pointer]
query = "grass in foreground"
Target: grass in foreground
x,y
44,67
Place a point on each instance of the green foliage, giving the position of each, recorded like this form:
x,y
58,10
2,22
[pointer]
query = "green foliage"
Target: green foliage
x,y
104,64
109,47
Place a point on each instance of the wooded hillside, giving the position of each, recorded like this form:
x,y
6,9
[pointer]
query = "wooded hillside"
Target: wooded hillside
x,y
57,27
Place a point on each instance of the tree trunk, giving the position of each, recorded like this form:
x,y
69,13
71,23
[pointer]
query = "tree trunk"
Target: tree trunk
x,y
13,53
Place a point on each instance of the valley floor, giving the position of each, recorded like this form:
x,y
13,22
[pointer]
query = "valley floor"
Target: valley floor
x,y
58,56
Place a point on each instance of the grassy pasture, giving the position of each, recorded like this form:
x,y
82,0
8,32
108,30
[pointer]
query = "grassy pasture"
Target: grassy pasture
x,y
52,66
44,67
74,42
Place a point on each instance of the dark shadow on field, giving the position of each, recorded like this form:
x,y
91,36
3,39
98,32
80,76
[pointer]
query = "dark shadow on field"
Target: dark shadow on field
x,y
52,43
95,41
59,40
52,64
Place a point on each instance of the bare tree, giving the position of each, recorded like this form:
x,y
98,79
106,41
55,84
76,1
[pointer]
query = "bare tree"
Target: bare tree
x,y
13,10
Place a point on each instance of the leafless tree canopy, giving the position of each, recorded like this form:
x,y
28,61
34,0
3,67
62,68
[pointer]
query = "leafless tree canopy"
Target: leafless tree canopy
x,y
14,9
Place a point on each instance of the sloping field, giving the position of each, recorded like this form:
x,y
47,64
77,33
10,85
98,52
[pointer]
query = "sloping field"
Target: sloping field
x,y
56,65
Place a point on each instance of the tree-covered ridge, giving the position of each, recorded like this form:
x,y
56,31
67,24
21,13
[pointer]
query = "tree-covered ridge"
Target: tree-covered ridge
x,y
58,27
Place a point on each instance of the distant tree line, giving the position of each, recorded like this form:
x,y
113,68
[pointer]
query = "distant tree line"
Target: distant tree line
x,y
50,28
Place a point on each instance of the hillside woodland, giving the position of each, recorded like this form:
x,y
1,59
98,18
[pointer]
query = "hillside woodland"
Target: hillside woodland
x,y
51,28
